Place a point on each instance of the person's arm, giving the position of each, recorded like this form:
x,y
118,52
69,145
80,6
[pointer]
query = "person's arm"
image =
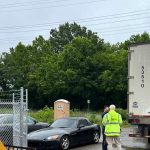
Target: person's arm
x,y
120,119
103,114
104,121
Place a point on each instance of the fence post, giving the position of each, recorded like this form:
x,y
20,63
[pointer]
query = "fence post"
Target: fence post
x,y
21,116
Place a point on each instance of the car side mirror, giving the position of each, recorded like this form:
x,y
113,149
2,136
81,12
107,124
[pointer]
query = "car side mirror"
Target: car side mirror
x,y
35,121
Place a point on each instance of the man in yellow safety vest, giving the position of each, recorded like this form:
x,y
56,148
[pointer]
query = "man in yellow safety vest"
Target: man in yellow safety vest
x,y
112,121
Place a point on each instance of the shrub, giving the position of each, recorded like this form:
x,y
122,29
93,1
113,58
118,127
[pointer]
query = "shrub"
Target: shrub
x,y
123,113
44,115
77,113
94,118
47,115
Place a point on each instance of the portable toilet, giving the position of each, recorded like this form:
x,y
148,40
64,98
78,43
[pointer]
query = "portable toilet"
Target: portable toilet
x,y
61,109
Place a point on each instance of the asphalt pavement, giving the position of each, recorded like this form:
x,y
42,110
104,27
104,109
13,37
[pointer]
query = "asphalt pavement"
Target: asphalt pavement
x,y
128,143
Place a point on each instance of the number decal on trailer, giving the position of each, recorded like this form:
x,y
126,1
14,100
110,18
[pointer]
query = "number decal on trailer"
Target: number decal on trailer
x,y
142,77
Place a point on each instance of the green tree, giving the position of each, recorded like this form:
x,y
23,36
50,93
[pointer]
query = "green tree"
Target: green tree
x,y
79,72
67,32
3,80
139,38
74,64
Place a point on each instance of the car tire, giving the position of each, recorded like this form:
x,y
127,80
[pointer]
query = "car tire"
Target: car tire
x,y
64,142
96,137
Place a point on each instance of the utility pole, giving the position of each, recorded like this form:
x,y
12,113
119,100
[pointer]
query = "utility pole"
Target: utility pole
x,y
88,102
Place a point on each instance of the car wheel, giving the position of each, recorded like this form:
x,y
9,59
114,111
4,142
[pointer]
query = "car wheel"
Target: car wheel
x,y
96,137
65,143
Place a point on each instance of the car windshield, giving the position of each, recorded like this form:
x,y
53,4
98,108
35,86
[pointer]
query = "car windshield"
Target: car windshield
x,y
64,123
6,119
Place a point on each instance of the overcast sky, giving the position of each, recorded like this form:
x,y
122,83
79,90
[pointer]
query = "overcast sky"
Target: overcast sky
x,y
113,20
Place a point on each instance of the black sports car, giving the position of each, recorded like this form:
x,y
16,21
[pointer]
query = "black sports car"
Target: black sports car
x,y
65,133
6,127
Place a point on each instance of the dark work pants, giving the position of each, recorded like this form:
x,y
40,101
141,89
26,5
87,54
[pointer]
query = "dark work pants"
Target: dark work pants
x,y
104,143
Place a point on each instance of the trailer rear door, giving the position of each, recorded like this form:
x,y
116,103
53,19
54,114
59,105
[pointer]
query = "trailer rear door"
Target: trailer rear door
x,y
139,79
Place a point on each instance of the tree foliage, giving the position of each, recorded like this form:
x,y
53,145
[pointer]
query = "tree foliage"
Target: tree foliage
x,y
73,64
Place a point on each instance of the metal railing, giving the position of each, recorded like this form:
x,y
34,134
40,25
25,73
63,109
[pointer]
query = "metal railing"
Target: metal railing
x,y
9,147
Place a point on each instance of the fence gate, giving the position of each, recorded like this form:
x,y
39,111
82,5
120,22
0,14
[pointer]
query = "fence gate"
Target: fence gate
x,y
13,117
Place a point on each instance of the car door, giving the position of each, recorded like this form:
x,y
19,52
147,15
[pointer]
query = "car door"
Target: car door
x,y
74,134
83,131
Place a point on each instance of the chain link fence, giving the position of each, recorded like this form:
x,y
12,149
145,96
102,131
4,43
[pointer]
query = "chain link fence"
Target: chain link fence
x,y
13,117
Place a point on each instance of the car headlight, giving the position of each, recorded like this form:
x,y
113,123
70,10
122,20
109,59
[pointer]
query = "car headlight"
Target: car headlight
x,y
53,137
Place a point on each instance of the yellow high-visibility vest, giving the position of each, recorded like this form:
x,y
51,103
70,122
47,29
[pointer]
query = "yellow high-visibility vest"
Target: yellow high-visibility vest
x,y
112,121
2,147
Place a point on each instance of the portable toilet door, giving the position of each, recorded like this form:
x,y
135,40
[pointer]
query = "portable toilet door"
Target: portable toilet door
x,y
61,109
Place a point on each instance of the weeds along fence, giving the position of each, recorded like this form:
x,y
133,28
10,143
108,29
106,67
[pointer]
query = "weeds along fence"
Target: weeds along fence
x,y
13,117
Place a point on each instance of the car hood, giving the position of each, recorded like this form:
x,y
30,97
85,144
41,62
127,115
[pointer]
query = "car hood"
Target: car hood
x,y
44,133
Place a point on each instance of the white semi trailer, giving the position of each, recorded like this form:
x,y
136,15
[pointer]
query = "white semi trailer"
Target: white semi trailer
x,y
139,89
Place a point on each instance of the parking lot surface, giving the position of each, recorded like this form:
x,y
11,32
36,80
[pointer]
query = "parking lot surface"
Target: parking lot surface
x,y
128,143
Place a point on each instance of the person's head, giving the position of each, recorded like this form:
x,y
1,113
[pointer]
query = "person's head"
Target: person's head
x,y
106,108
112,107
